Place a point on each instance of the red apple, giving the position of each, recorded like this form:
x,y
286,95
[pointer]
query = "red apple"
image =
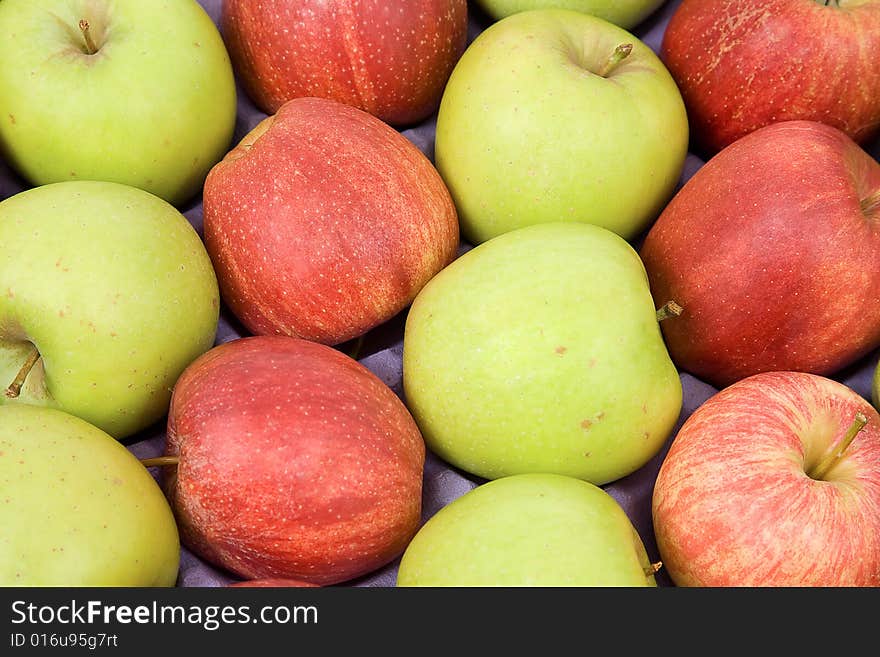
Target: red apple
x,y
325,222
272,583
773,250
294,461
759,487
742,64
390,58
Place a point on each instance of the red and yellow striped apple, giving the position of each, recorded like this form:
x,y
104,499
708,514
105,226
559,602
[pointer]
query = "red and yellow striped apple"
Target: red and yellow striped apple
x,y
761,488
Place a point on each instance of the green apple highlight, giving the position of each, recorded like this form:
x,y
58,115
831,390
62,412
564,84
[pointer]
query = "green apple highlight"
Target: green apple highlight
x,y
540,351
78,508
624,13
528,530
106,295
556,115
135,92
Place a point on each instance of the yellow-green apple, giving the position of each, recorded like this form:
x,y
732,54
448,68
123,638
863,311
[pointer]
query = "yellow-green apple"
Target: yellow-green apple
x,y
106,295
557,115
540,351
390,58
78,508
771,262
294,461
528,530
742,64
624,13
875,386
325,222
773,481
140,93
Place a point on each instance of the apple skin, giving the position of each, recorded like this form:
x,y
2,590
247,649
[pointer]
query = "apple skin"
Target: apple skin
x,y
528,530
734,503
295,462
540,351
756,245
623,13
357,222
527,132
79,509
742,64
390,58
271,583
116,291
157,122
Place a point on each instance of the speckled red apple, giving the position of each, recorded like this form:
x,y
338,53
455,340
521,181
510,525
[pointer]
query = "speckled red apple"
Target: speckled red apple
x,y
294,461
743,64
271,583
390,58
325,222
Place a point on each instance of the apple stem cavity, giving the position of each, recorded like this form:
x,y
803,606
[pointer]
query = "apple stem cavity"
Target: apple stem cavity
x,y
833,458
871,204
620,53
14,388
85,28
160,461
669,309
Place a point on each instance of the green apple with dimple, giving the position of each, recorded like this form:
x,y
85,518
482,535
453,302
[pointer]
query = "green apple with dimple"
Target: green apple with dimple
x,y
132,91
528,530
540,351
556,115
624,13
77,508
106,294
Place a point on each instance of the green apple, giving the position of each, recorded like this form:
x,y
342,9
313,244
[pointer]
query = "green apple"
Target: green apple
x,y
540,351
106,294
78,508
625,13
556,115
528,530
135,92
875,387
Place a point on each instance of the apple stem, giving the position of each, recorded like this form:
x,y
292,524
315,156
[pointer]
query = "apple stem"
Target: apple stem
x,y
832,458
160,461
85,28
620,53
14,388
871,204
356,349
653,569
669,309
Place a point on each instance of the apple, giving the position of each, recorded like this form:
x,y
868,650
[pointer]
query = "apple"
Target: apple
x,y
742,64
106,295
390,58
293,461
272,583
140,93
528,530
875,385
556,115
325,222
78,508
623,13
540,351
772,262
774,481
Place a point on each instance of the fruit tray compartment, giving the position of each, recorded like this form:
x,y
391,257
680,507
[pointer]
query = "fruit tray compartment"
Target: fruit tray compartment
x,y
382,349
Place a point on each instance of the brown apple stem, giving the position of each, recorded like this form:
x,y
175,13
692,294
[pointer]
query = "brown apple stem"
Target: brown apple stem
x,y
14,388
160,461
669,309
653,569
871,204
85,28
620,53
832,458
356,349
